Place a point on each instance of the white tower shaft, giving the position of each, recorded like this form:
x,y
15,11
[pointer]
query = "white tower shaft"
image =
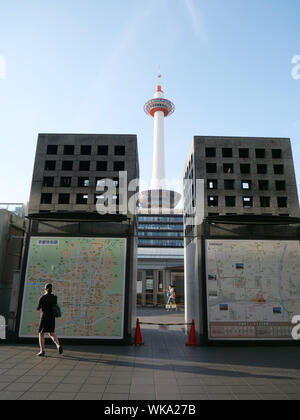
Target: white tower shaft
x,y
158,170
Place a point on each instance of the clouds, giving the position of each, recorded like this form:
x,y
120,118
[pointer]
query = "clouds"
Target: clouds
x,y
197,20
2,68
296,69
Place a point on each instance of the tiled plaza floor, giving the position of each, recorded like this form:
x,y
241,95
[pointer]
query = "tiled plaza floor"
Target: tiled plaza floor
x,y
163,369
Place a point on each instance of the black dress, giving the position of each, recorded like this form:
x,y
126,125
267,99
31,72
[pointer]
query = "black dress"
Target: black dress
x,y
47,324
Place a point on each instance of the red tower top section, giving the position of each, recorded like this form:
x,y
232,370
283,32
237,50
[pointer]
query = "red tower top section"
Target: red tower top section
x,y
159,103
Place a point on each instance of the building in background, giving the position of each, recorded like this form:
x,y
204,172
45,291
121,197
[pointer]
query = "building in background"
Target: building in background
x,y
249,194
13,230
160,258
89,257
19,209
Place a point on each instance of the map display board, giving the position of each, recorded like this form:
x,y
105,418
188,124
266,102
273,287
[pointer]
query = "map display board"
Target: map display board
x,y
253,289
88,277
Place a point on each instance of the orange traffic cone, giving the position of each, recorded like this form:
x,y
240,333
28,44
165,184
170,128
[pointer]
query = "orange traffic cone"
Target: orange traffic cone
x,y
138,341
192,336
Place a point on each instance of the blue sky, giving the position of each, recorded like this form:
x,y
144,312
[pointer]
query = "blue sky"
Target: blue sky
x,y
88,66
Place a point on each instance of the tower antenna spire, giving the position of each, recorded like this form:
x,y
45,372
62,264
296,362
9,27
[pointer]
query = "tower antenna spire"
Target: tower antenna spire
x,y
159,80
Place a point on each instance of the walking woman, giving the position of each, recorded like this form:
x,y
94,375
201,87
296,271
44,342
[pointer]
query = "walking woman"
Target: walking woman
x,y
47,324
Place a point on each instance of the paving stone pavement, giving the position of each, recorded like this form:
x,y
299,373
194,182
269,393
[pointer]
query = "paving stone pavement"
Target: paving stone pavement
x,y
163,369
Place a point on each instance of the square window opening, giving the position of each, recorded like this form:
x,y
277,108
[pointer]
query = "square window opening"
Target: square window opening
x,y
50,165
211,168
230,201
276,153
244,153
227,152
247,202
67,165
278,169
69,149
86,150
120,150
52,149
245,168
246,185
260,153
210,152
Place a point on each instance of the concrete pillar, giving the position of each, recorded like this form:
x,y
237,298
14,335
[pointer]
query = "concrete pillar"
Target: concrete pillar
x,y
155,286
144,287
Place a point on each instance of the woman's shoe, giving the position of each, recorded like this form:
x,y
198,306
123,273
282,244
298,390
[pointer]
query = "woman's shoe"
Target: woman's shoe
x,y
60,350
41,354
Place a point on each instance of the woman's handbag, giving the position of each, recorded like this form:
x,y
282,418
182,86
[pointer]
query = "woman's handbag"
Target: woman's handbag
x,y
56,311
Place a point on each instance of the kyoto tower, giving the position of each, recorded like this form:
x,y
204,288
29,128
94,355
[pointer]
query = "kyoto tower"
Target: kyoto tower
x,y
159,196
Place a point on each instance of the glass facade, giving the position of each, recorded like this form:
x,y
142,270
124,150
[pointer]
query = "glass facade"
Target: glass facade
x,y
161,231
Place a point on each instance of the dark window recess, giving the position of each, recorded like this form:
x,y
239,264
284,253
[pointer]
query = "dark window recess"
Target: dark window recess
x,y
69,150
46,198
248,202
119,166
282,202
84,165
278,169
63,198
246,184
262,169
227,152
102,150
228,168
228,184
213,214
210,152
67,165
101,166
229,201
81,199
50,165
51,149
213,201
244,153
265,201
85,150
211,168
65,181
48,181
263,185
83,182
212,184
120,150
260,153
276,153
245,168
280,185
